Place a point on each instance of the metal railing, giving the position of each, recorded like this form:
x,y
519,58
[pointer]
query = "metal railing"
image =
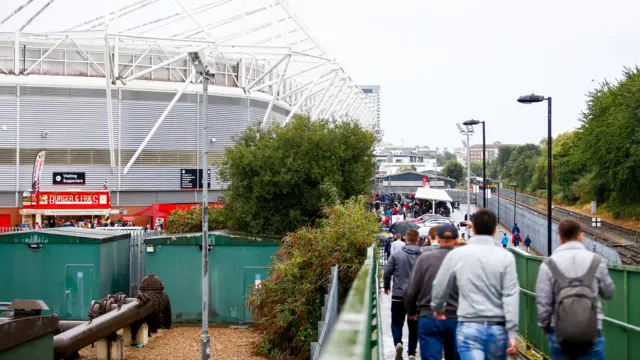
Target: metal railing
x,y
621,325
329,315
357,333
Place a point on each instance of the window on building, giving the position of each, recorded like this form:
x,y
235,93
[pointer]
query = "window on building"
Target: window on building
x,y
398,161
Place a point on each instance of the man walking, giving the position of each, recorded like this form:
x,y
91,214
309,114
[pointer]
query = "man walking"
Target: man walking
x,y
527,243
432,332
485,276
567,289
399,268
397,244
505,240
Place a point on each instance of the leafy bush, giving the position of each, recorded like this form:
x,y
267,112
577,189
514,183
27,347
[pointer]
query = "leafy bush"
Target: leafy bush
x,y
190,221
281,176
287,306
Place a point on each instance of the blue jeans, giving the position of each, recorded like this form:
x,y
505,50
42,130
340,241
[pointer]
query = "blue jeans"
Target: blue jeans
x,y
481,342
435,335
398,315
596,352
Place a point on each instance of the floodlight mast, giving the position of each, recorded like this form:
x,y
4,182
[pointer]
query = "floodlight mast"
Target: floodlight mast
x,y
200,63
467,132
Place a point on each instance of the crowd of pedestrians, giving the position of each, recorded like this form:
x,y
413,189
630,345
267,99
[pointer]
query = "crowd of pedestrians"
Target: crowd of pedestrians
x,y
463,301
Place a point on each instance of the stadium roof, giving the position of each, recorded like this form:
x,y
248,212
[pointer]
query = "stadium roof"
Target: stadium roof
x,y
267,30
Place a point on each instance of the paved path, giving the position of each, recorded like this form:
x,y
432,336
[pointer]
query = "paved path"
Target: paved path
x,y
385,300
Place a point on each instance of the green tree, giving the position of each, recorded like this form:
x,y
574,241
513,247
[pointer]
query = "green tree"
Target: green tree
x,y
282,176
445,157
454,170
476,169
609,143
408,168
521,165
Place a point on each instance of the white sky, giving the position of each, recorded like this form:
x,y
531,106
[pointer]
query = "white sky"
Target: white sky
x,y
442,62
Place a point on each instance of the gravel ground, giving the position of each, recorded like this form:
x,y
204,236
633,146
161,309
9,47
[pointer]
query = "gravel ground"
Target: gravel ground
x,y
184,343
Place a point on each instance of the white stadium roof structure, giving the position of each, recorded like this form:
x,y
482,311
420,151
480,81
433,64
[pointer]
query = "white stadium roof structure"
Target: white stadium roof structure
x,y
259,48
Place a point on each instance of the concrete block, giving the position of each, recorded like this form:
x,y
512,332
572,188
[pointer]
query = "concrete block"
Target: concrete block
x,y
115,349
127,336
142,337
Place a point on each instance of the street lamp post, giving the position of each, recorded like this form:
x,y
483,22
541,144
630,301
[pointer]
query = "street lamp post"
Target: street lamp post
x,y
515,198
530,99
498,196
199,63
484,161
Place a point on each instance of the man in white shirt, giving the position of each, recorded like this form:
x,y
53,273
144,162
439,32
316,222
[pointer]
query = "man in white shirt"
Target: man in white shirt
x,y
397,244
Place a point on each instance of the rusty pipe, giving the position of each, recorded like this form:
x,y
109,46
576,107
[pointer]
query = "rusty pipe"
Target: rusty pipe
x,y
74,339
64,325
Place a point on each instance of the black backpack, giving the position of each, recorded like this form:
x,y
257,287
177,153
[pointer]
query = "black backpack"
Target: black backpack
x,y
575,312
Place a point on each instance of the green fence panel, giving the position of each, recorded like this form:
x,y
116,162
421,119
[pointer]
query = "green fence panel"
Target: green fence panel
x,y
621,325
353,336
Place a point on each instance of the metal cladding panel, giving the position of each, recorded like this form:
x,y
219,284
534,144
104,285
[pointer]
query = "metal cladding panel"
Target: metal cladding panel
x,y
226,118
177,132
73,118
8,116
7,178
155,178
134,198
94,177
176,197
7,199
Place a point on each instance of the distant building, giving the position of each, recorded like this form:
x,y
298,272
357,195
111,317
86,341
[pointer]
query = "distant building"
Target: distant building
x,y
492,151
373,94
410,181
392,159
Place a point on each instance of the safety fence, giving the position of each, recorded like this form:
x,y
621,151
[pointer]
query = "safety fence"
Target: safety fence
x,y
534,225
357,333
460,196
329,315
621,324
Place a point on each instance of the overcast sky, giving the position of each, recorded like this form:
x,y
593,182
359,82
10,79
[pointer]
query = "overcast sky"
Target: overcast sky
x,y
442,62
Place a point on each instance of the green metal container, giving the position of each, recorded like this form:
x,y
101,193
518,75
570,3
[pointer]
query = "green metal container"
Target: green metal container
x,y
236,262
65,267
28,338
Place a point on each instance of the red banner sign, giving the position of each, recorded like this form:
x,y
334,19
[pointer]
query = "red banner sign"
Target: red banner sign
x,y
424,181
67,200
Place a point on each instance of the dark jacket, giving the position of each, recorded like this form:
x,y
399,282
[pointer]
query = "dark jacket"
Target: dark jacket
x,y
399,266
417,296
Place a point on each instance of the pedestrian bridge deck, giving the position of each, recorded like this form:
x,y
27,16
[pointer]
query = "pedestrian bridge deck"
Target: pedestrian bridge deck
x,y
361,329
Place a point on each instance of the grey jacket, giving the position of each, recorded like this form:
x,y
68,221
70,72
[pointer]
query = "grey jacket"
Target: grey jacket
x,y
485,275
399,266
417,295
573,259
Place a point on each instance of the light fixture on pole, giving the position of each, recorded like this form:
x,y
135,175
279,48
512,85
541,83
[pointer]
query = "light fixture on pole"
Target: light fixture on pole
x,y
530,99
515,198
467,131
484,160
200,62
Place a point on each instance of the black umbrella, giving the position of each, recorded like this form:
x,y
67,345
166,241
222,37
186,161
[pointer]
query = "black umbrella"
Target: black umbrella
x,y
403,227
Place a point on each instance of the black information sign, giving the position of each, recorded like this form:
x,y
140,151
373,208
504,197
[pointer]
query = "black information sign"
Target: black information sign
x,y
68,178
192,179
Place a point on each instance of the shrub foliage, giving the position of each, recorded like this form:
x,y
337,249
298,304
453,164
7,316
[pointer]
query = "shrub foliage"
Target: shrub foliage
x,y
190,221
287,306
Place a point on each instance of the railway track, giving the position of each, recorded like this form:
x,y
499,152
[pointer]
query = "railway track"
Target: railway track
x,y
624,241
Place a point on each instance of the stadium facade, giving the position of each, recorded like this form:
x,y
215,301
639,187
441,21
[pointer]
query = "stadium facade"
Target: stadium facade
x,y
94,95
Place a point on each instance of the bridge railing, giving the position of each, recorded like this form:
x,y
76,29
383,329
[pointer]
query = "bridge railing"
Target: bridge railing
x,y
621,325
357,333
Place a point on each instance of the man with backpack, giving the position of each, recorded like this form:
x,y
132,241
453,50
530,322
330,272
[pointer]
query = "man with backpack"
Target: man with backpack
x,y
567,289
516,239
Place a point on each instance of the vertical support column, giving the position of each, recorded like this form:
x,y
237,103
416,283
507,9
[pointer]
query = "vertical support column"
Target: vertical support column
x,y
16,53
119,146
116,58
205,350
17,146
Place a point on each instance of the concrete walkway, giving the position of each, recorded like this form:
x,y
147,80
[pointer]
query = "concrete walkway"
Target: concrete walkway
x,y
385,300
